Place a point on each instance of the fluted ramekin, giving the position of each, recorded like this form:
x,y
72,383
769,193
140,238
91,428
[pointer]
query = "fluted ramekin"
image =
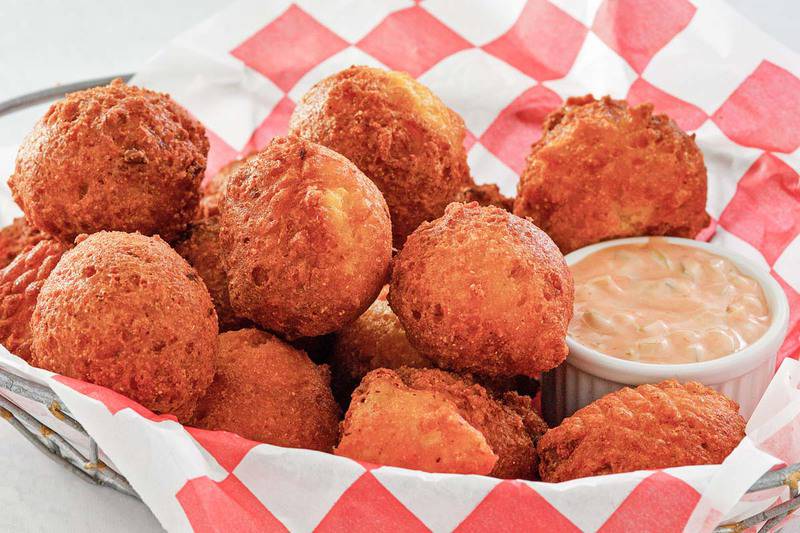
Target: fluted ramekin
x,y
743,376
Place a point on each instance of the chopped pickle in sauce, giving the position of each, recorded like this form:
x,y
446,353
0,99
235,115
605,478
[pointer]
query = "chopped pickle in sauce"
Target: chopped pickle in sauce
x,y
658,302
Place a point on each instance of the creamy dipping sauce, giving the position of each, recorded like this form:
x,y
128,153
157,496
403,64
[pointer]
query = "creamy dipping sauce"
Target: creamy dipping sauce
x,y
658,302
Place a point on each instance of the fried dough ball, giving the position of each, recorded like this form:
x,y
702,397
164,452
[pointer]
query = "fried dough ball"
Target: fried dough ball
x,y
481,290
649,427
127,312
20,283
435,421
16,238
486,194
115,157
202,250
603,170
306,239
211,195
397,132
375,340
267,391
213,189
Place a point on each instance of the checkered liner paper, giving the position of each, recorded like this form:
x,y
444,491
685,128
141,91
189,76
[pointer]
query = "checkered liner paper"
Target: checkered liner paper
x,y
503,67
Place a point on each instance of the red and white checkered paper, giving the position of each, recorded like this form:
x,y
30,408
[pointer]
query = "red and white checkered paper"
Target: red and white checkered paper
x,y
503,67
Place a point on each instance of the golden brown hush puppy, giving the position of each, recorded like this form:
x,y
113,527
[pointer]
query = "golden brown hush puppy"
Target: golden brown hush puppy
x,y
435,421
604,170
481,290
486,194
115,157
125,311
397,132
267,391
306,239
201,249
649,427
20,283
213,189
375,340
16,238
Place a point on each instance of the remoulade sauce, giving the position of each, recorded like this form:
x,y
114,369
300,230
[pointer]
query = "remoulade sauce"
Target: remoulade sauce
x,y
658,302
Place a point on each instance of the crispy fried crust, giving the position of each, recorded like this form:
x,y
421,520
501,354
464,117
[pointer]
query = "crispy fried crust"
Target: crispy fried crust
x,y
20,283
438,422
16,238
508,422
483,291
306,239
127,312
202,250
603,170
486,194
651,426
397,132
267,391
375,340
214,188
111,158
523,406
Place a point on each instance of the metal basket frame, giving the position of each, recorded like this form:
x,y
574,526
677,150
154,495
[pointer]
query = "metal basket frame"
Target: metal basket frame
x,y
93,470
56,447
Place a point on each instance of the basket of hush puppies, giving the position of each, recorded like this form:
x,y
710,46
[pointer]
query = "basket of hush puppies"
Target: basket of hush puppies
x,y
362,336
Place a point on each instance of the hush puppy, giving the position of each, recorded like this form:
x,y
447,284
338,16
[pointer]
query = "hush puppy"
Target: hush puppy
x,y
213,189
306,239
649,427
375,340
201,249
267,391
16,238
435,421
20,283
125,311
603,170
115,157
486,194
397,132
483,291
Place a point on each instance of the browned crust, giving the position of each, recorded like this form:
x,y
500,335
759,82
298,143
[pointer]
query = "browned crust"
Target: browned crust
x,y
397,132
649,427
306,239
375,340
20,283
603,170
125,311
481,290
267,391
201,249
115,157
486,194
436,401
16,238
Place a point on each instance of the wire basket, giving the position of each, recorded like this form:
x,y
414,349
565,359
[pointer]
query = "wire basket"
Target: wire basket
x,y
90,467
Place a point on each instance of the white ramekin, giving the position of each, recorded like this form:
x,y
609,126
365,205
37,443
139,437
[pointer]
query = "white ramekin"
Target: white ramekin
x,y
587,374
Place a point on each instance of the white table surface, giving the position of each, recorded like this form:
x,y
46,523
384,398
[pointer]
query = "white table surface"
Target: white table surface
x,y
47,42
